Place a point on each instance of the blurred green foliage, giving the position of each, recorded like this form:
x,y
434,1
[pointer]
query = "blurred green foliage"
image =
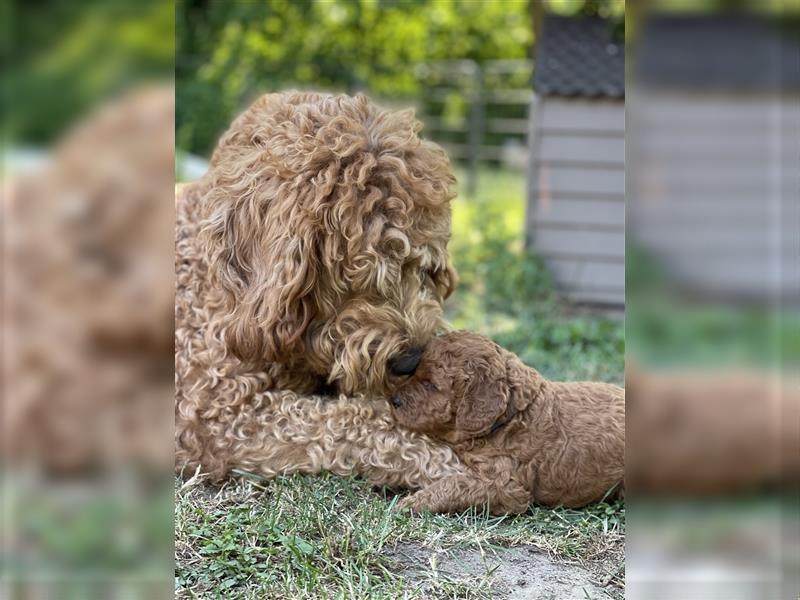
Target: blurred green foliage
x,y
78,531
62,58
670,325
507,293
230,51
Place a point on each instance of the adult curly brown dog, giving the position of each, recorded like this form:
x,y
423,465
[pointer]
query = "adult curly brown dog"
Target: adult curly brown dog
x,y
522,437
311,261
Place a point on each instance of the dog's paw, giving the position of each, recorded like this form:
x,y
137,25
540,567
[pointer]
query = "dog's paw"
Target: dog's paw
x,y
403,505
409,504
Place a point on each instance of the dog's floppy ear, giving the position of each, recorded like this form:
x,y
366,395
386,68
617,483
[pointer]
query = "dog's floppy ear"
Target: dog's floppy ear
x,y
524,383
268,272
481,404
446,280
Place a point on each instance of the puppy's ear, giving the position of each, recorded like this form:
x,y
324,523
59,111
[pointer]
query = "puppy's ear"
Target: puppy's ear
x,y
268,271
482,403
524,383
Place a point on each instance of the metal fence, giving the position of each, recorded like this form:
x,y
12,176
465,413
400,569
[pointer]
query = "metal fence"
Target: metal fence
x,y
478,112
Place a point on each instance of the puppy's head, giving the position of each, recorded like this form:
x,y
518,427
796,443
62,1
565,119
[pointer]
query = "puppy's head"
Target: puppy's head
x,y
464,386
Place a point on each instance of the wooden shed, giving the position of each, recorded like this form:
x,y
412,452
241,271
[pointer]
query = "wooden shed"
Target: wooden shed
x,y
713,147
576,187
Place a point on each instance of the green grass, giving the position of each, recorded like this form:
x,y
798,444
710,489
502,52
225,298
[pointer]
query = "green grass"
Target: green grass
x,y
507,293
335,537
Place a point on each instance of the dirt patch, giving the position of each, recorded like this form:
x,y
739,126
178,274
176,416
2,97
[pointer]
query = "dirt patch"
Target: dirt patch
x,y
510,573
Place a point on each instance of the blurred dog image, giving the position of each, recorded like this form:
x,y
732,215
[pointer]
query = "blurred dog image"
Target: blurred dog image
x,y
311,261
89,294
523,438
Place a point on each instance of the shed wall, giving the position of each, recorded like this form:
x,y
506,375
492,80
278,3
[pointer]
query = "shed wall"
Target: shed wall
x,y
576,195
713,188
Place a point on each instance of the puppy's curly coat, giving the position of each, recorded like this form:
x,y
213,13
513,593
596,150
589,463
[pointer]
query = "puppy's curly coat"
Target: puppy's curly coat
x,y
522,437
311,255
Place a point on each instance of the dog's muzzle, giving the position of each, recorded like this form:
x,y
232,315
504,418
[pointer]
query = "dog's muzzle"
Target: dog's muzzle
x,y
406,362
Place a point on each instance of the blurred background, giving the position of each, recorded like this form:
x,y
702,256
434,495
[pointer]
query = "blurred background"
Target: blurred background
x,y
87,226
712,215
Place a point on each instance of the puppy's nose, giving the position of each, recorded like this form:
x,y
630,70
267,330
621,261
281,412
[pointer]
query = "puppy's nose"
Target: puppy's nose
x,y
396,401
406,362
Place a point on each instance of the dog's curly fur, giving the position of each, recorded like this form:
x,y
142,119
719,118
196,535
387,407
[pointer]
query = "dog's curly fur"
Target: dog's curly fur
x,y
522,438
312,252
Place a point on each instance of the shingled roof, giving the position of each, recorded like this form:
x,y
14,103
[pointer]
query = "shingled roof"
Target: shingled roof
x,y
730,52
579,56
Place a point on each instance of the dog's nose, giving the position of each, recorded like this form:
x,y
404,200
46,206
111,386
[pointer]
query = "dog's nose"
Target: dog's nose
x,y
406,362
396,401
